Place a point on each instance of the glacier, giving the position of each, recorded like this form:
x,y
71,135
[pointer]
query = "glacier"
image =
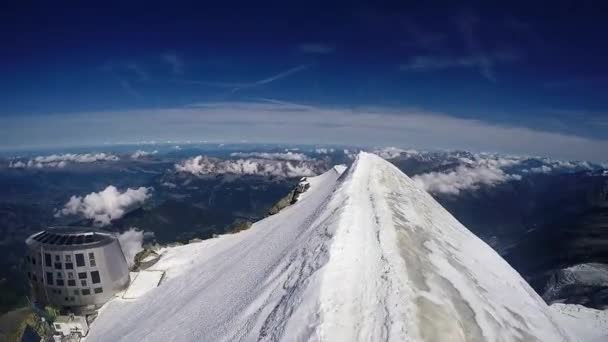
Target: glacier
x,y
364,255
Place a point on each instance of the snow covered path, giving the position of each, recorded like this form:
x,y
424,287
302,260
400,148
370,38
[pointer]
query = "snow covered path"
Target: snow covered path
x,y
368,257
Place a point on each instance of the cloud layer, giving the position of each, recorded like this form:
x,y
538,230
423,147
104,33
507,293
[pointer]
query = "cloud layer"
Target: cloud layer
x,y
276,122
61,160
463,178
202,165
104,206
272,155
458,171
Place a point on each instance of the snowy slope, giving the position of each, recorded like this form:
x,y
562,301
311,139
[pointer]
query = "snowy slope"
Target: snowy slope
x,y
363,257
586,324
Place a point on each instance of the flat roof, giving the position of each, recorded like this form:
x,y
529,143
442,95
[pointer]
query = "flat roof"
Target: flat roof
x,y
70,236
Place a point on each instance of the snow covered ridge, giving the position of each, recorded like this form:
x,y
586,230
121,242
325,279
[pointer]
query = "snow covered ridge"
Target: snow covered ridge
x,y
61,160
363,256
202,166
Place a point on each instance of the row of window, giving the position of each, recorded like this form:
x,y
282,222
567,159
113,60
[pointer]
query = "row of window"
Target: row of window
x,y
71,281
84,292
68,263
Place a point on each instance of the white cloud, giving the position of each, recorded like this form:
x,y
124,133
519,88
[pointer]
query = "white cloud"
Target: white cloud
x,y
463,178
61,160
350,154
201,166
470,175
541,169
131,242
141,154
324,150
169,184
266,155
17,165
106,205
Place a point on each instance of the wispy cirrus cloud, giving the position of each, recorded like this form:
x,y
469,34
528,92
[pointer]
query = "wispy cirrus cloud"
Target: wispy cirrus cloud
x,y
174,61
316,48
422,39
467,24
236,86
483,63
436,54
126,74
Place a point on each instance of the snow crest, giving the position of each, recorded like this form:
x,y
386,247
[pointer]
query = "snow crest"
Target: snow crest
x,y
364,256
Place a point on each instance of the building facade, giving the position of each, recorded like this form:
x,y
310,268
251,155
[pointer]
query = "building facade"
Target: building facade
x,y
75,269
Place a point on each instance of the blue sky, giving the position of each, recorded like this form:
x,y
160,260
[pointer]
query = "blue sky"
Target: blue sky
x,y
527,67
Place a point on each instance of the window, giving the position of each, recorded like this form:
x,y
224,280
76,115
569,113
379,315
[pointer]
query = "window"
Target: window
x,y
57,326
34,278
28,259
82,275
98,290
67,299
49,278
83,283
69,266
92,260
71,282
95,277
68,258
86,292
79,260
70,275
57,258
29,275
77,292
33,261
57,265
47,260
60,282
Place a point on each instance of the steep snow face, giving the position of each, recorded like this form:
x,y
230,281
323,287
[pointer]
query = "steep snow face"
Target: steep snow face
x,y
408,270
368,256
